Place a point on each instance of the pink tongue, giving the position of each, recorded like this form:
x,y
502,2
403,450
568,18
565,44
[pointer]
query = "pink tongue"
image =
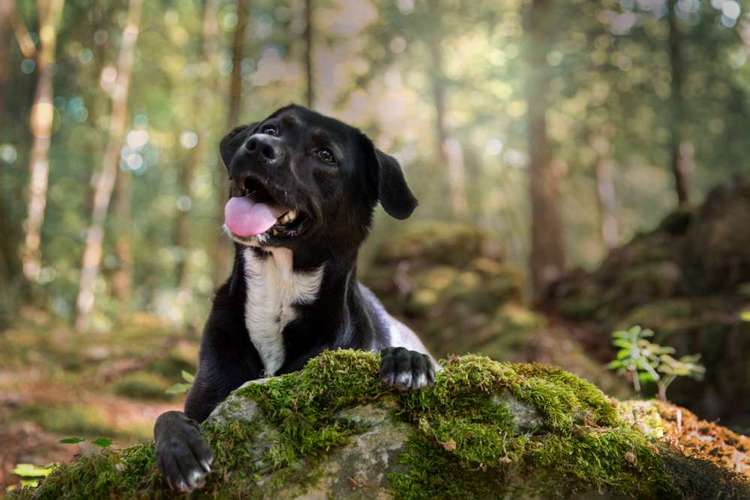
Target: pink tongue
x,y
246,218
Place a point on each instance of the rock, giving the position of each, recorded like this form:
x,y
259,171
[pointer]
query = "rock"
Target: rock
x,y
687,280
716,254
485,429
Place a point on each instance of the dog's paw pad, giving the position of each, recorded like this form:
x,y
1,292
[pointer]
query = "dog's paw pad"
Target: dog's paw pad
x,y
406,370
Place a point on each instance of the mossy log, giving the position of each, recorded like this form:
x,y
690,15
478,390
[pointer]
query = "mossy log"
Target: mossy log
x,y
485,430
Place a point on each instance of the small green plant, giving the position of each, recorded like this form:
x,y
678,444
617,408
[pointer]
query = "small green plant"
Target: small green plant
x,y
31,474
646,361
181,388
101,442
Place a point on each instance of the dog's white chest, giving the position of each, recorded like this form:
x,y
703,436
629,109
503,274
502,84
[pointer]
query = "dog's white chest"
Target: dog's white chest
x,y
273,288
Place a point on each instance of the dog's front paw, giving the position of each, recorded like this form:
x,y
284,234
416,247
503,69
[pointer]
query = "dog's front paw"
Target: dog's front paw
x,y
405,369
183,456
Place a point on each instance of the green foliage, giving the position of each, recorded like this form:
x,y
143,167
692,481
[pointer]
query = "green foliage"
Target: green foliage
x,y
646,361
182,388
72,440
31,474
102,442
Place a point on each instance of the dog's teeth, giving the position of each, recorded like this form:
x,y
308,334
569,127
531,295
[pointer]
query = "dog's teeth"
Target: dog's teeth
x,y
288,217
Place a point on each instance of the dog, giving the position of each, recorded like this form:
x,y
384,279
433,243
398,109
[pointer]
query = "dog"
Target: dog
x,y
303,189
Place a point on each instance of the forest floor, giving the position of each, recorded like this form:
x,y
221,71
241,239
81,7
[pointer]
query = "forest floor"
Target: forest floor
x,y
55,383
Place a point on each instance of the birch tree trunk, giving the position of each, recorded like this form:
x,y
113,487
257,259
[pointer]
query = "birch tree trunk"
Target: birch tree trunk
x,y
678,160
92,253
221,247
448,150
547,259
42,114
122,276
186,175
309,69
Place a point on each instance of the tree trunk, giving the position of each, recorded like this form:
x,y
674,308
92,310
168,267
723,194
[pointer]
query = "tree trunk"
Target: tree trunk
x,y
221,247
679,164
122,276
8,249
7,8
606,198
187,174
42,113
448,150
182,221
547,259
309,72
92,253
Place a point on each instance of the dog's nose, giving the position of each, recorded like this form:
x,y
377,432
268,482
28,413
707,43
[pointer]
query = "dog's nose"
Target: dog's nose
x,y
264,148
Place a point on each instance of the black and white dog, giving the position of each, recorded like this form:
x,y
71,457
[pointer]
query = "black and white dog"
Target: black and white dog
x,y
303,190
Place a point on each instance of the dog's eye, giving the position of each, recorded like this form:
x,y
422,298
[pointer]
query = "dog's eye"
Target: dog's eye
x,y
270,130
325,155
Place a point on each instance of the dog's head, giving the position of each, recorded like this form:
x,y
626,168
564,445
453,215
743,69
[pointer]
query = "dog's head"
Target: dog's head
x,y
307,182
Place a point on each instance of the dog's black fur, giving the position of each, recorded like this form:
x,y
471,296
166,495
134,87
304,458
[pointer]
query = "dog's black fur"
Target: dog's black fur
x,y
333,175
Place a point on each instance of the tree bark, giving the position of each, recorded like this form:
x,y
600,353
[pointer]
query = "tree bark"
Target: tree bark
x,y
186,174
448,149
547,259
221,247
92,253
42,114
679,164
8,249
309,70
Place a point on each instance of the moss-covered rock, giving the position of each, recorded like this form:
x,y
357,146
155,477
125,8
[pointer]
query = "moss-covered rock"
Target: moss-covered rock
x,y
687,280
486,429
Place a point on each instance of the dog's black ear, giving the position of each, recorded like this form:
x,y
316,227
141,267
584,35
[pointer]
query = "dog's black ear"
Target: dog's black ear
x,y
393,192
233,140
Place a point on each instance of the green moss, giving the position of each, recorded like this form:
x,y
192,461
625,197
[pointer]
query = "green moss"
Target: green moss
x,y
430,471
122,473
579,440
485,429
303,404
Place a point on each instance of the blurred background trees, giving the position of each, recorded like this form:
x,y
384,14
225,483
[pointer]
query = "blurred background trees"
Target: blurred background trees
x,y
562,128
596,110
